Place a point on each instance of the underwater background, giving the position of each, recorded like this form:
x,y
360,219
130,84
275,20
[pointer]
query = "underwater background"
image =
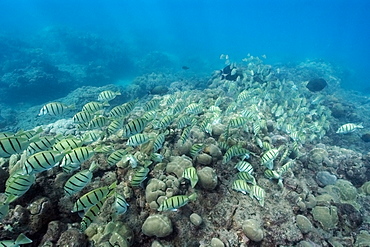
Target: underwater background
x,y
184,123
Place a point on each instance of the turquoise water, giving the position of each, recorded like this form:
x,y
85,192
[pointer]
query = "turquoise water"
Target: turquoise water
x,y
190,33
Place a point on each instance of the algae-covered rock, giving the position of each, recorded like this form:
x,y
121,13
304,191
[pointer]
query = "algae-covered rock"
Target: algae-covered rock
x,y
214,151
153,190
72,238
216,242
362,239
317,155
304,224
365,188
324,178
196,219
348,192
252,230
157,225
207,178
112,234
177,165
326,216
204,159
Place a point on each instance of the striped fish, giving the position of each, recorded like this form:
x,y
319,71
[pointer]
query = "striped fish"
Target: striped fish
x,y
93,107
244,166
21,239
113,127
268,158
171,100
194,108
91,215
12,145
68,143
150,116
242,186
259,194
98,122
83,117
247,177
54,109
235,151
237,122
175,202
190,173
166,121
107,95
19,185
348,128
151,105
120,204
196,149
158,141
77,156
138,139
79,181
139,176
185,121
185,134
92,136
42,161
271,174
32,135
6,134
117,112
93,197
134,127
286,167
43,144
116,156
179,107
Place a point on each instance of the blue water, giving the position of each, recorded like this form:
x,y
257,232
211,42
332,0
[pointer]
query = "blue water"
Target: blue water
x,y
195,33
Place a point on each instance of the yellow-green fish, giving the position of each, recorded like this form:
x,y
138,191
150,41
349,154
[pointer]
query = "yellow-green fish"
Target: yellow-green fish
x,y
120,204
116,156
235,151
54,108
78,181
196,149
77,156
93,107
21,239
175,202
18,186
348,128
83,117
139,176
190,173
268,158
259,194
242,186
91,215
134,127
93,197
247,177
244,166
43,144
12,145
42,161
107,95
68,143
138,139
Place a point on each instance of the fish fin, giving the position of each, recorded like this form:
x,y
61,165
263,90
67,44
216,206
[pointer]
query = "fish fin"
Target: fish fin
x,y
22,239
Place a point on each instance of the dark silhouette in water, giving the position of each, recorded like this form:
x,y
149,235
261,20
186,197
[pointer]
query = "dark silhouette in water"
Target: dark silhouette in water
x,y
316,85
185,67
